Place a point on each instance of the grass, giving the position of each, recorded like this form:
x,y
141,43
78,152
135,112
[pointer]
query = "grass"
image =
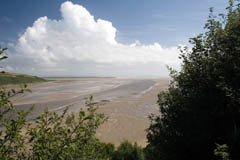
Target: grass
x,y
13,78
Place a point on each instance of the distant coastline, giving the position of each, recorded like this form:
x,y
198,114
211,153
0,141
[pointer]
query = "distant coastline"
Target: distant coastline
x,y
7,78
75,77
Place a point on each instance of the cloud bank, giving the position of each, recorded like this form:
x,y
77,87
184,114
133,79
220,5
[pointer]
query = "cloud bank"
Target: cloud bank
x,y
79,45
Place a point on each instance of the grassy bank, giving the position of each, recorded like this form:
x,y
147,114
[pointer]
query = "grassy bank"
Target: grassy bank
x,y
13,78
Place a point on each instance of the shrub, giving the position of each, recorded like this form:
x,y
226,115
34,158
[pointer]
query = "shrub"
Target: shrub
x,y
49,136
127,151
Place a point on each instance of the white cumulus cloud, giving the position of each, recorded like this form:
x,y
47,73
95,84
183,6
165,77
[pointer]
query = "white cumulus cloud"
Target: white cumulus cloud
x,y
79,45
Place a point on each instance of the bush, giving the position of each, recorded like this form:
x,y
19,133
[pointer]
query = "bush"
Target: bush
x,y
127,151
11,140
49,136
66,136
222,152
202,105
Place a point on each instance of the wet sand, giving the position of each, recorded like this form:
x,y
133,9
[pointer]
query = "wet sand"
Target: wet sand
x,y
126,102
128,118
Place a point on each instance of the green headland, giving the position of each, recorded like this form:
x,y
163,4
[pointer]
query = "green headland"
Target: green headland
x,y
14,78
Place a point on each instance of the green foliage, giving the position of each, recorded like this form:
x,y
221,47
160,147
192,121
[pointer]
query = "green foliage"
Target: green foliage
x,y
1,52
127,151
51,136
65,136
202,104
222,152
11,139
107,150
2,57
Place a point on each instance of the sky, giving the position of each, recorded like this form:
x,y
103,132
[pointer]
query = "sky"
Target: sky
x,y
127,38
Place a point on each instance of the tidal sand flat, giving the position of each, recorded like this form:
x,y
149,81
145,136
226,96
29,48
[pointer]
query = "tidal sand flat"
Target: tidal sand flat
x,y
126,102
128,117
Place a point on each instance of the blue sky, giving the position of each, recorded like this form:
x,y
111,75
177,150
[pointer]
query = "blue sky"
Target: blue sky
x,y
167,22
125,38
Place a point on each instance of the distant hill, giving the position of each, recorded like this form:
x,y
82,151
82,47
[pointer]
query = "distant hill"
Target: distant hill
x,y
13,78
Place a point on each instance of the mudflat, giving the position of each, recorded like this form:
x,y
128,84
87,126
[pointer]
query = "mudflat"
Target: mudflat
x,y
126,102
128,117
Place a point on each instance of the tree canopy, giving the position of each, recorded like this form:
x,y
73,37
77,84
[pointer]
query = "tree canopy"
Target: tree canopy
x,y
202,105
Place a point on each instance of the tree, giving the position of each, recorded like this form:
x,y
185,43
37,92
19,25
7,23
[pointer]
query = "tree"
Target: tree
x,y
202,105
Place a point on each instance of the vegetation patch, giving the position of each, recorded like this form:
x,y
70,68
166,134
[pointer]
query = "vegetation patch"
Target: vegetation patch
x,y
13,78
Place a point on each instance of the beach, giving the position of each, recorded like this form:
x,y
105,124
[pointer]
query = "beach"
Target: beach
x,y
126,102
